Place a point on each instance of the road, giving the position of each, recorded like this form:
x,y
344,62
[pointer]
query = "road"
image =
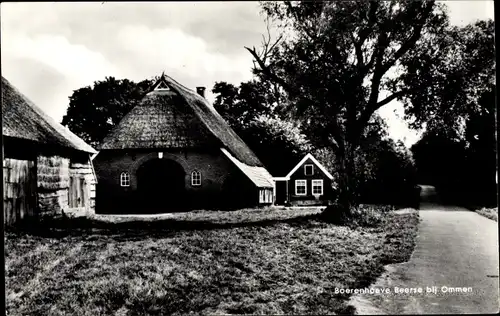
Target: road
x,y
456,250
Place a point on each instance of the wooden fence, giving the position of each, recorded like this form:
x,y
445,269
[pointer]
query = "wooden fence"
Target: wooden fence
x,y
19,195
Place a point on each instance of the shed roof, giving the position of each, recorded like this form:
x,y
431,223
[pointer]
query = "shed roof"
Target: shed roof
x,y
23,119
258,175
173,116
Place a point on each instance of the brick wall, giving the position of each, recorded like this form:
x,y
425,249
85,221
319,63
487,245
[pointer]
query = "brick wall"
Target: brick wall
x,y
216,170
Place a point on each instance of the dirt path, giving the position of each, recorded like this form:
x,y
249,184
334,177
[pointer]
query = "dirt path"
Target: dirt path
x,y
455,259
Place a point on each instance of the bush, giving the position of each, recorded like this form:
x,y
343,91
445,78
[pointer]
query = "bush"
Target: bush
x,y
361,216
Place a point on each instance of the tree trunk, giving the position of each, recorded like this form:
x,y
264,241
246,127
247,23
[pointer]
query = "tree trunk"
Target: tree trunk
x,y
342,210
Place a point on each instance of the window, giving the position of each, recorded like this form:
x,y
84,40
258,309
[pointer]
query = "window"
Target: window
x,y
265,196
125,179
162,86
195,178
317,187
300,187
308,170
269,196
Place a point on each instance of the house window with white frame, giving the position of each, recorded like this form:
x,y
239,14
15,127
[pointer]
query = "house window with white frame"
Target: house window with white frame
x,y
125,179
300,187
265,196
195,178
317,187
309,170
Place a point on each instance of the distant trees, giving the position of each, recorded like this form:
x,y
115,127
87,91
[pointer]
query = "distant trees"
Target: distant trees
x,y
250,110
462,166
333,59
94,111
324,79
383,168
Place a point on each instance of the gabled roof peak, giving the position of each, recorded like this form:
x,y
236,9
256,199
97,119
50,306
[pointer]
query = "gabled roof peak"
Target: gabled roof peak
x,y
297,166
132,131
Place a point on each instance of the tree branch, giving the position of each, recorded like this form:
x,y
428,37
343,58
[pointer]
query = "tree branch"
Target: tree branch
x,y
359,53
300,23
390,98
371,108
412,40
365,32
266,70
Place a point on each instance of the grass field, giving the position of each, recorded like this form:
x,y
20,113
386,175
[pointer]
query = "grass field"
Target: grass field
x,y
284,263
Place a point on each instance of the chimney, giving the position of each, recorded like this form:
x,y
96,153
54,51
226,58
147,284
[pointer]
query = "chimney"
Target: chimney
x,y
201,91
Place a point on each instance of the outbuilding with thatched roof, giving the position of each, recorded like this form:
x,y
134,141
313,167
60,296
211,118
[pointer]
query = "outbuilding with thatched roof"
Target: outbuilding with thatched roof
x,y
173,151
47,169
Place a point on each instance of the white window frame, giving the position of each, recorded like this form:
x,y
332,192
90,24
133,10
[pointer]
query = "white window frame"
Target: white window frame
x,y
297,185
305,169
157,88
317,183
265,196
125,179
196,178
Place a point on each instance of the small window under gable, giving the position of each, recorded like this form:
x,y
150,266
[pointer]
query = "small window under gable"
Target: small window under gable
x,y
309,169
195,178
162,86
125,179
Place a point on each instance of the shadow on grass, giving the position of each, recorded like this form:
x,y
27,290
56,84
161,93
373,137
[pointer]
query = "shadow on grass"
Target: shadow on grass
x,y
136,230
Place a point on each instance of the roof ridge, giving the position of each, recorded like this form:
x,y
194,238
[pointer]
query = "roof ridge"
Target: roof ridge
x,y
71,140
203,111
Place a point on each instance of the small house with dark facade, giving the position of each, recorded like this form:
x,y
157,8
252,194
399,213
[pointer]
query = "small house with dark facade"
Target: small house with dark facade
x,y
47,170
173,152
307,183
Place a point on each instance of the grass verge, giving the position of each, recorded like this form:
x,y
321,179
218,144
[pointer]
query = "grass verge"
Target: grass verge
x,y
491,213
290,265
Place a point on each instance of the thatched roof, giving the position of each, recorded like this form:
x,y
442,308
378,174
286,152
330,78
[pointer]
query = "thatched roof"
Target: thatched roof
x,y
176,117
23,119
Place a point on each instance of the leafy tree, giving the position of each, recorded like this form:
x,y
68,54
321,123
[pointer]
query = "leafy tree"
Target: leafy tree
x,y
462,167
240,105
333,59
94,111
249,109
481,150
279,144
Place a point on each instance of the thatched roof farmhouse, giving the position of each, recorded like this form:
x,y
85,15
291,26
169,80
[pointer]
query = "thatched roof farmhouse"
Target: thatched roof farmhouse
x,y
174,151
47,168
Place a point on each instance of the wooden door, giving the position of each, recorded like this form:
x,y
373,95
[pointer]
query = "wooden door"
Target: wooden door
x,y
77,192
19,196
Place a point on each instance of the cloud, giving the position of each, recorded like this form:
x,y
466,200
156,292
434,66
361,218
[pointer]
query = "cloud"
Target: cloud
x,y
55,58
49,49
57,52
465,12
196,43
179,54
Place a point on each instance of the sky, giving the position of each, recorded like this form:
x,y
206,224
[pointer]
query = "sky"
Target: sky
x,y
48,50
